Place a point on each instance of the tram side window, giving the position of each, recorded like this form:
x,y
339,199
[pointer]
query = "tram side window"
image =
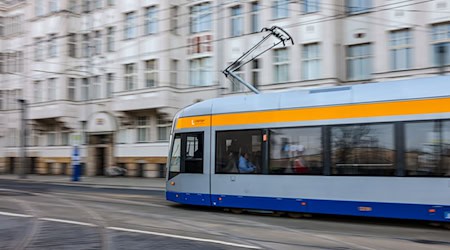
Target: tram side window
x,y
296,151
187,154
239,151
427,148
175,157
364,149
194,153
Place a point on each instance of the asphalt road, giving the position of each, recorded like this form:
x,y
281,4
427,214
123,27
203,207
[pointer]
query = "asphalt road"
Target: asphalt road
x,y
49,216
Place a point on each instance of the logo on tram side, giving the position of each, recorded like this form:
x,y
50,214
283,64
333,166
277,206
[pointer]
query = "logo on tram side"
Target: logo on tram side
x,y
447,215
198,122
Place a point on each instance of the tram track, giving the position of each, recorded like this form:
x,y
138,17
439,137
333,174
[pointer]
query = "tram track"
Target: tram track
x,y
30,231
98,220
38,218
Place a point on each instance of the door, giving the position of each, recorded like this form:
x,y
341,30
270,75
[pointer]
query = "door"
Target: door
x,y
189,169
100,161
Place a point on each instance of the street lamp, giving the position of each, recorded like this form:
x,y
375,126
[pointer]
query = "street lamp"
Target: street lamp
x,y
23,139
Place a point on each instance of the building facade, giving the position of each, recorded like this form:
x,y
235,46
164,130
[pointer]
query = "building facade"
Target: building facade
x,y
110,75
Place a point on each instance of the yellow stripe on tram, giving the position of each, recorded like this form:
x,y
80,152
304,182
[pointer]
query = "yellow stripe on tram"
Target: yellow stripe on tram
x,y
412,107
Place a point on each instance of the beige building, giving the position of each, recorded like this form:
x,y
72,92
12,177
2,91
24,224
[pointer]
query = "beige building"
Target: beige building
x,y
110,75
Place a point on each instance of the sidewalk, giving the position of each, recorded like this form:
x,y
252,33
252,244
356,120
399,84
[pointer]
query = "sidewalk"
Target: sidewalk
x,y
95,181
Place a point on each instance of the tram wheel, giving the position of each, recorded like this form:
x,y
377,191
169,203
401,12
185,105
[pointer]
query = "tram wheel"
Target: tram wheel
x,y
295,215
236,210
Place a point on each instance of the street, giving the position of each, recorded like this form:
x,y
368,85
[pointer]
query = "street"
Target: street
x,y
52,216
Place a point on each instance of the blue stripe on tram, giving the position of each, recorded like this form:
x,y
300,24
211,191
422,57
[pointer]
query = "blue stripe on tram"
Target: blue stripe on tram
x,y
355,208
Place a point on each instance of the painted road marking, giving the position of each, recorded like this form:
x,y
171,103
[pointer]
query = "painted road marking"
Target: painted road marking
x,y
183,237
136,231
69,222
16,215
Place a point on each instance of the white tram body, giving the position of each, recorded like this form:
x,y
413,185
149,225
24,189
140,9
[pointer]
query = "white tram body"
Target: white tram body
x,y
377,149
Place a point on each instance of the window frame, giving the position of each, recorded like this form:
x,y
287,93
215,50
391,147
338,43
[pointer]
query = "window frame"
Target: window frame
x,y
280,65
396,46
182,157
151,20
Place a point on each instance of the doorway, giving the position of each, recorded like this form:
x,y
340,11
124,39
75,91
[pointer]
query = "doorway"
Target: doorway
x,y
100,160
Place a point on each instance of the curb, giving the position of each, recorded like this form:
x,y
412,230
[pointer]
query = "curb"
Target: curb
x,y
92,185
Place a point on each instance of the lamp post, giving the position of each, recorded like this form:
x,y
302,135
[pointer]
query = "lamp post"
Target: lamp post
x,y
23,139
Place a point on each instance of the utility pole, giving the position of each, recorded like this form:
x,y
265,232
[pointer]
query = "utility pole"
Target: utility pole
x,y
23,139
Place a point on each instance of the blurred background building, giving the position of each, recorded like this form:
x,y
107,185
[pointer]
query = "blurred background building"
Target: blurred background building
x,y
110,75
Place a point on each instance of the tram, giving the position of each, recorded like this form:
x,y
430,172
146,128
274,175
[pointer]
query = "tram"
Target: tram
x,y
376,149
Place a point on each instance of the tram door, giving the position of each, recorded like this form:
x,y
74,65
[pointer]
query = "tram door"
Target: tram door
x,y
189,169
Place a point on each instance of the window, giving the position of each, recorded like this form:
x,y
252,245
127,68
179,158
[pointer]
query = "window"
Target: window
x,y
237,21
86,45
256,72
151,20
174,20
130,25
200,18
65,138
237,86
73,6
1,100
98,4
86,5
296,151
130,76
143,129
200,72
174,72
427,151
365,149
39,7
110,2
122,136
2,26
358,6
72,44
440,35
53,6
281,65
95,88
359,62
233,147
110,39
38,49
71,87
20,61
280,9
163,129
37,89
400,49
109,85
311,61
98,42
3,63
255,17
85,89
186,154
311,6
151,73
51,138
51,89
52,46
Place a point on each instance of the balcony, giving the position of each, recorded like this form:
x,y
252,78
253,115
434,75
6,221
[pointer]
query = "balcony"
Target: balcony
x,y
50,110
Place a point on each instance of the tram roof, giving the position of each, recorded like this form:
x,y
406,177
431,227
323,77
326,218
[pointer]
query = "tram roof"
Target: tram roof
x,y
416,88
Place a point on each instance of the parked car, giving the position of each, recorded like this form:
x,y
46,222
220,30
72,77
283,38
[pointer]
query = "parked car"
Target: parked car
x,y
116,171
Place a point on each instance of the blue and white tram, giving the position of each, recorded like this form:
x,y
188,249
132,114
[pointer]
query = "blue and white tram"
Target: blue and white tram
x,y
379,150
